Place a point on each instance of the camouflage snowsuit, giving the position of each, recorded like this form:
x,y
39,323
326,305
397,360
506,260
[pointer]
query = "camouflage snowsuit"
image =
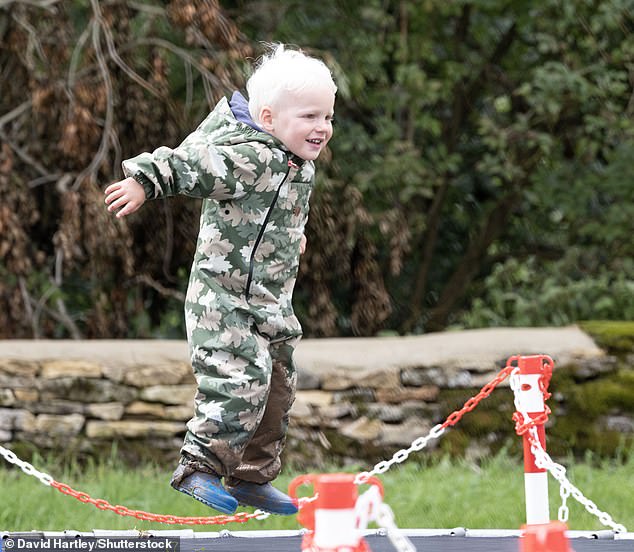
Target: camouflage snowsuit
x,y
240,323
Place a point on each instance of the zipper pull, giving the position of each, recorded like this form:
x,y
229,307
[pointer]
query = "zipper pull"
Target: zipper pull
x,y
292,164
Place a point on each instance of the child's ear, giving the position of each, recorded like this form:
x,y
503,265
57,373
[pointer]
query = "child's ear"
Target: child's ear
x,y
266,118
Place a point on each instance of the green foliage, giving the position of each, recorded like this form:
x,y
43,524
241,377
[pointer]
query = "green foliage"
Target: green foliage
x,y
541,293
587,271
480,172
495,132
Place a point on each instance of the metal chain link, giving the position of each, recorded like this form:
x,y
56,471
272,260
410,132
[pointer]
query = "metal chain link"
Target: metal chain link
x,y
545,462
27,468
385,519
240,517
421,442
563,512
418,444
47,480
370,507
528,427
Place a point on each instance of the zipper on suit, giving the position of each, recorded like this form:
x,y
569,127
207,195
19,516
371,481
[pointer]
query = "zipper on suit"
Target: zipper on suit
x,y
258,239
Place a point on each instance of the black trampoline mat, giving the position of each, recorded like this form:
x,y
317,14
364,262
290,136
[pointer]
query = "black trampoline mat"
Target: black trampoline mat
x,y
383,544
425,540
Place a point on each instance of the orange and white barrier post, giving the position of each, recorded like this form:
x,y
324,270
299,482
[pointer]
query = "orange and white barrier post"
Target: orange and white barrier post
x,y
534,375
332,514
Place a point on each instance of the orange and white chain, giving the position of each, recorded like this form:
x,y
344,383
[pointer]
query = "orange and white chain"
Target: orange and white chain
x,y
421,442
545,462
47,480
542,460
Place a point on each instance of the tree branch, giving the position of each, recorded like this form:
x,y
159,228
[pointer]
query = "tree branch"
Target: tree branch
x,y
463,104
44,4
167,292
428,244
28,307
43,171
470,263
98,158
15,112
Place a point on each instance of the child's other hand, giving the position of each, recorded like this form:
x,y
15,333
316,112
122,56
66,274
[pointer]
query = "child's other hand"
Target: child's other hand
x,y
302,245
126,196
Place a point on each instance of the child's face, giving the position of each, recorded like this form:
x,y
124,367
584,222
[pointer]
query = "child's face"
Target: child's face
x,y
303,122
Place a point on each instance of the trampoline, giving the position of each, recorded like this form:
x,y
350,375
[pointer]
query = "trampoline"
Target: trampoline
x,y
427,540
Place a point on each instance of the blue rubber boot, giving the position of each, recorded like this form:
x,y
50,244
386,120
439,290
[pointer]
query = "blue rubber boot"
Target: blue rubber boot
x,y
207,488
262,496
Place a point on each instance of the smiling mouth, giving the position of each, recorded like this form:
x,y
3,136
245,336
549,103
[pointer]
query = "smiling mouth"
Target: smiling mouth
x,y
317,141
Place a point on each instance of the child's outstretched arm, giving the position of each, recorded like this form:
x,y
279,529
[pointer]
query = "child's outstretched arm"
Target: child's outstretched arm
x,y
125,196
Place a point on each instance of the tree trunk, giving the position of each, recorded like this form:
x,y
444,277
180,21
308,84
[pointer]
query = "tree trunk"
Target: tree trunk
x,y
471,262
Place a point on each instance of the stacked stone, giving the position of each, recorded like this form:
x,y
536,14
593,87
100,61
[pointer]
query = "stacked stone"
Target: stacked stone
x,y
358,400
356,415
84,405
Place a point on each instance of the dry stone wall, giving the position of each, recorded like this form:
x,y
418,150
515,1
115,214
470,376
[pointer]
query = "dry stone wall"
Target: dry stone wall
x,y
83,407
358,400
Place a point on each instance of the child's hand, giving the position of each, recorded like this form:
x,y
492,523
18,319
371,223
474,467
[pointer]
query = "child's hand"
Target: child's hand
x,y
126,195
302,244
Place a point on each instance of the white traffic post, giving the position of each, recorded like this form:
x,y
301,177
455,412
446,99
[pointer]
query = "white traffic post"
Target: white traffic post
x,y
530,397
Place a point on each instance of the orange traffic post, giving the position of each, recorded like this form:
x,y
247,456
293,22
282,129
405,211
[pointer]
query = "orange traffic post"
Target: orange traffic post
x,y
331,515
545,537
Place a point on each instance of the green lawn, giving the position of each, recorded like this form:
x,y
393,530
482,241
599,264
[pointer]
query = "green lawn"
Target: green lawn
x,y
444,494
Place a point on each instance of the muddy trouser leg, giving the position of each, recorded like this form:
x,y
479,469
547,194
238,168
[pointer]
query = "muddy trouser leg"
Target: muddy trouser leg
x,y
261,458
233,390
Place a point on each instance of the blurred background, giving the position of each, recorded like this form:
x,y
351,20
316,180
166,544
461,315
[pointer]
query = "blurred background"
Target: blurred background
x,y
480,172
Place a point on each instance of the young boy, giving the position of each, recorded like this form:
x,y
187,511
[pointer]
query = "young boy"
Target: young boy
x,y
253,166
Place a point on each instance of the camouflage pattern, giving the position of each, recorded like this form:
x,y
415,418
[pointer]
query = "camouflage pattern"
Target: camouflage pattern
x,y
240,322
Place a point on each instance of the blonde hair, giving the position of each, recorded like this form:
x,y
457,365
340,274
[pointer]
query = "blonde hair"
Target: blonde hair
x,y
285,70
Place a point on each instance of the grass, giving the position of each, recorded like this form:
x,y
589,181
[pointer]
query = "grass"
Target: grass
x,y
444,494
